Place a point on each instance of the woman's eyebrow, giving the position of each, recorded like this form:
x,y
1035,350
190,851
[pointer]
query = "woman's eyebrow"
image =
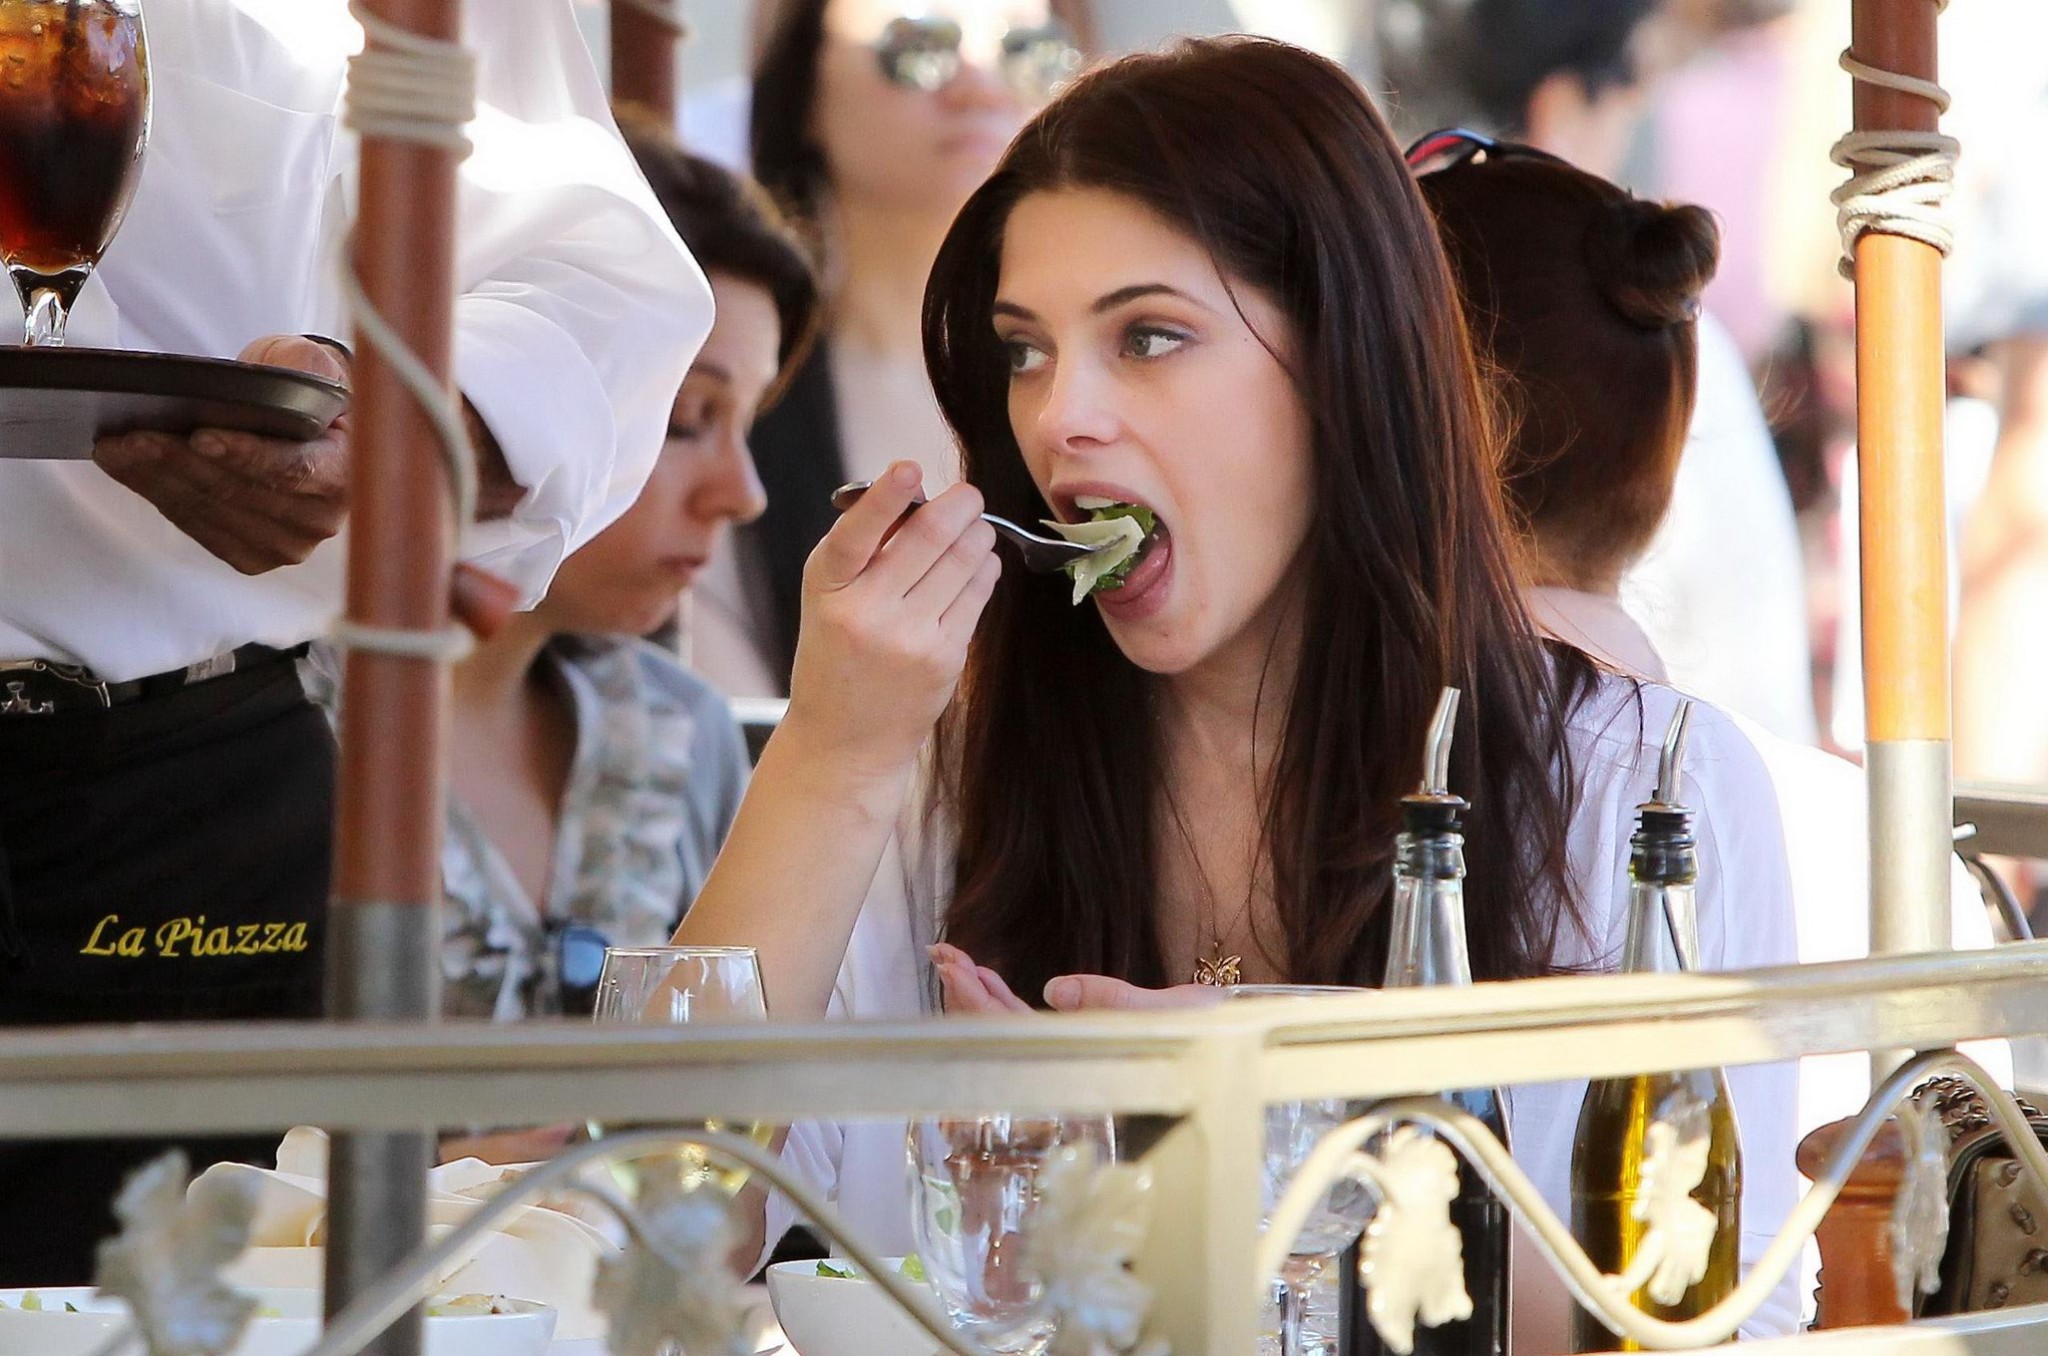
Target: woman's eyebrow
x,y
1108,301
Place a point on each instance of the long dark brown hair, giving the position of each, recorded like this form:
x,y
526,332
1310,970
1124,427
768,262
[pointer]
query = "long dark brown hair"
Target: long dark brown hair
x,y
1277,163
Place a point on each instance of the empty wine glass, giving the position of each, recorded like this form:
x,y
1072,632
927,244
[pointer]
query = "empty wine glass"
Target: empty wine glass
x,y
975,1184
694,985
1293,1130
74,117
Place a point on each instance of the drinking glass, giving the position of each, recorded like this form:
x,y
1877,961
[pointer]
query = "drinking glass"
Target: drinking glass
x,y
74,116
975,1184
694,985
1293,1129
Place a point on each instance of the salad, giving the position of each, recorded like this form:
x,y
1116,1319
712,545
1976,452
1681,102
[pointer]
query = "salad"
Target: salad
x,y
470,1306
911,1270
32,1303
1119,533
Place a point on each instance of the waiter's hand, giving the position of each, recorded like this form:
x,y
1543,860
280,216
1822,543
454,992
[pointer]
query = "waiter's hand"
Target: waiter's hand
x,y
258,503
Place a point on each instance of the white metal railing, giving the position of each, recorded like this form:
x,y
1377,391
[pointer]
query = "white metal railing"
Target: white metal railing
x,y
1207,1073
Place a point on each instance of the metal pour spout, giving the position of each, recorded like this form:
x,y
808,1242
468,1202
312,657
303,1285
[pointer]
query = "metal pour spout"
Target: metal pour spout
x,y
1672,761
1436,754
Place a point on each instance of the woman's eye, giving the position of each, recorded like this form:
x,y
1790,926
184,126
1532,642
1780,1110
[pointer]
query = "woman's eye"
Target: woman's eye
x,y
1024,357
1150,341
688,431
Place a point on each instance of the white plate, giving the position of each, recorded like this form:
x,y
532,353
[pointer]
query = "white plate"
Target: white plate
x,y
53,1332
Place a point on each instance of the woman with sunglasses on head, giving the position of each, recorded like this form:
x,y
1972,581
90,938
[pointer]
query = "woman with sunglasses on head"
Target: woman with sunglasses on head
x,y
1202,286
872,121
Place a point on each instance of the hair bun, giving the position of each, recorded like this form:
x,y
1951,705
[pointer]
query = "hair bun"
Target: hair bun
x,y
1652,260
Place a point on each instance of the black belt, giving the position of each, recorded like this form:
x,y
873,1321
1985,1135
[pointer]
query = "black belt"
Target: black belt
x,y
38,687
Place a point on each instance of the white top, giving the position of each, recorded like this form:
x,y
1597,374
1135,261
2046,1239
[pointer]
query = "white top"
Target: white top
x,y
578,312
861,1166
1722,588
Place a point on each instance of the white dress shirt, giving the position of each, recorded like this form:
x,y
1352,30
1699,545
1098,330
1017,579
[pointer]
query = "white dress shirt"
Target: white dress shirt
x,y
1745,917
577,314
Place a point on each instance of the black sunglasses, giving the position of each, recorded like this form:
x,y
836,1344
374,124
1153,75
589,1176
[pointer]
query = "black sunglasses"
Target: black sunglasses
x,y
924,54
1449,147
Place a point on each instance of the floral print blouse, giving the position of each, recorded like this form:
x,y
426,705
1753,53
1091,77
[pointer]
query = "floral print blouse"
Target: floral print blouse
x,y
653,786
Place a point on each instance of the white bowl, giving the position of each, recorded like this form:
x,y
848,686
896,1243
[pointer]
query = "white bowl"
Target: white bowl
x,y
833,1316
54,1332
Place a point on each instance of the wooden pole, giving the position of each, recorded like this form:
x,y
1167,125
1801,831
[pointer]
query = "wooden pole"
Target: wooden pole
x,y
1900,393
382,942
1901,389
644,41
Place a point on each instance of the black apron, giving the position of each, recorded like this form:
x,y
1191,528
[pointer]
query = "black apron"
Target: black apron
x,y
165,860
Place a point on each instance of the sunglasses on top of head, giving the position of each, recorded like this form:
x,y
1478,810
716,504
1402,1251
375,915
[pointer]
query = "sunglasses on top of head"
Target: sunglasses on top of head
x,y
1449,147
924,54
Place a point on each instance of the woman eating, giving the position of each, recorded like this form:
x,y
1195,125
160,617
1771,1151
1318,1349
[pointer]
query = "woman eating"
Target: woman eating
x,y
1202,290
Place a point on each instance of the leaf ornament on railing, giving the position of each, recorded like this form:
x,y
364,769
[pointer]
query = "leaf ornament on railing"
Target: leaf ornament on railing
x,y
673,1284
1679,1234
165,1264
1090,1220
1919,1223
1413,1258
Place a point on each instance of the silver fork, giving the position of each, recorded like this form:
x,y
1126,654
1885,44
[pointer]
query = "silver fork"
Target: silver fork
x,y
1040,554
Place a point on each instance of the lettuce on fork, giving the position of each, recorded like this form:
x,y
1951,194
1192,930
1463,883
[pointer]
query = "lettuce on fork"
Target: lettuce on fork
x,y
1118,532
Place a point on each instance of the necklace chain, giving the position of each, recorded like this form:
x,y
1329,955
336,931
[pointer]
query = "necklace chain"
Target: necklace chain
x,y
1212,966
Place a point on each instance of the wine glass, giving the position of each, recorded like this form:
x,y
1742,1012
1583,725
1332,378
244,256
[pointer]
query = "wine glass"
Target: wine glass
x,y
975,1184
1293,1130
694,985
74,116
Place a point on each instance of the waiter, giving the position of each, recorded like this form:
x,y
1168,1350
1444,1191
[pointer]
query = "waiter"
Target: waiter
x,y
165,788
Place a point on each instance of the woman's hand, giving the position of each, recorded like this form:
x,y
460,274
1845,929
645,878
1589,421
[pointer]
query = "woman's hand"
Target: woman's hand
x,y
889,605
1084,993
972,988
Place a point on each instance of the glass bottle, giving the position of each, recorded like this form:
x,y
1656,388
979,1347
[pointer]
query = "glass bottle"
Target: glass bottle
x,y
1428,947
1608,1152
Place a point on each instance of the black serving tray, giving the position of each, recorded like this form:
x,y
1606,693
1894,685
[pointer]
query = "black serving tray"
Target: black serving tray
x,y
55,401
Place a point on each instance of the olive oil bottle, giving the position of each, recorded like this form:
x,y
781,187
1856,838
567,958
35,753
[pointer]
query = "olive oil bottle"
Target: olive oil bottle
x,y
1611,1145
1428,947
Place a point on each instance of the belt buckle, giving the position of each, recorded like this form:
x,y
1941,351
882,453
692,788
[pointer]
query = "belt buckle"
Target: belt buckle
x,y
19,703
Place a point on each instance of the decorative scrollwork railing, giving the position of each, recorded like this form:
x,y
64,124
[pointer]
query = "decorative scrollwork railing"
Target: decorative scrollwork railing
x,y
688,1292
1340,1156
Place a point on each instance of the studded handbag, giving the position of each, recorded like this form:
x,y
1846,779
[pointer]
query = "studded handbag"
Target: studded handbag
x,y
1997,1253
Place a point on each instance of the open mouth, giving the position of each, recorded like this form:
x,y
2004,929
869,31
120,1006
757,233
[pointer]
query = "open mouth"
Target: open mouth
x,y
1122,535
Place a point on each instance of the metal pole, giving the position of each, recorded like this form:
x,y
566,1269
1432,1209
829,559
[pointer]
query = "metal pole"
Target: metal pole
x,y
645,35
1900,392
387,870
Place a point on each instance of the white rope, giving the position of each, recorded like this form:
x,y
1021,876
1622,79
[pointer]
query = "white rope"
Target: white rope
x,y
406,86
1900,181
449,645
669,12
